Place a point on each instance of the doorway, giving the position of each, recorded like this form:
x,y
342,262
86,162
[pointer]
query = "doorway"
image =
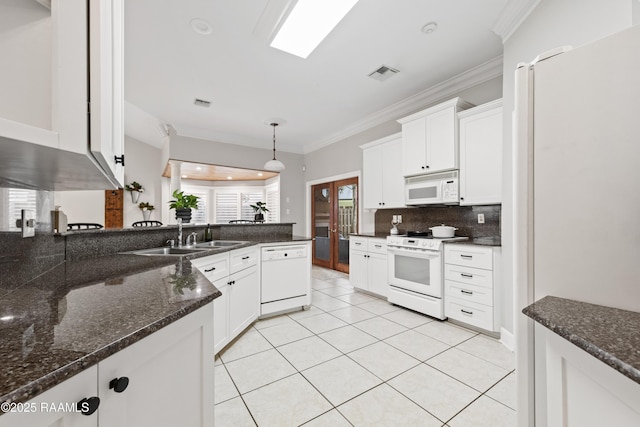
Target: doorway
x,y
334,216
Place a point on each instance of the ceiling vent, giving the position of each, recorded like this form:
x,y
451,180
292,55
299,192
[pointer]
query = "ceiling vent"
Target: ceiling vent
x,y
202,103
383,73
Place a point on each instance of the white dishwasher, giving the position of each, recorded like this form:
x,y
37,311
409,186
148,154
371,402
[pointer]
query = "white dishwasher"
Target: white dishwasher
x,y
286,278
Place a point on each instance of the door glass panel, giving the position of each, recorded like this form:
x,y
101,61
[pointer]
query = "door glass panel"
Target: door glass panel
x,y
322,221
415,270
347,219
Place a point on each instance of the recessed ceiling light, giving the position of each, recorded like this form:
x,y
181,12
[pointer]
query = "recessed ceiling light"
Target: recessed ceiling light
x,y
198,168
429,27
259,173
229,177
201,26
309,22
184,176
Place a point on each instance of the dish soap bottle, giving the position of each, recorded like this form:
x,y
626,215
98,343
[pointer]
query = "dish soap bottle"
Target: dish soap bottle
x,y
207,234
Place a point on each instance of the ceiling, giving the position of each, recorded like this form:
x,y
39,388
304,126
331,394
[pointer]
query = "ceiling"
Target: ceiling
x,y
168,65
207,172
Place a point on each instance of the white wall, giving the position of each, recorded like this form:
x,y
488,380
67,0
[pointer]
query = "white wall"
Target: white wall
x,y
552,23
142,165
291,179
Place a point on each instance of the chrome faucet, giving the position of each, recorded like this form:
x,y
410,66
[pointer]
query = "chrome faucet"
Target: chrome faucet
x,y
179,232
193,236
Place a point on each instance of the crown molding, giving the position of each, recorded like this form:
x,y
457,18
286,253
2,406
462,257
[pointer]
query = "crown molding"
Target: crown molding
x,y
512,16
449,88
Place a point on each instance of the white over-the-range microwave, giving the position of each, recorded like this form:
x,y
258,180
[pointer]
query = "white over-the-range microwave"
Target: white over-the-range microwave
x,y
437,188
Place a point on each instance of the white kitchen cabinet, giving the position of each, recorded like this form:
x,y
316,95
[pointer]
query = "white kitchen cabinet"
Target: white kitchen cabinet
x,y
472,285
481,154
170,377
368,264
77,148
35,413
582,391
172,369
430,138
236,276
383,183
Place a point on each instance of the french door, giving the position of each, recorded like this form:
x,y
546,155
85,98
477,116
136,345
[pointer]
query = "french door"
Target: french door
x,y
334,207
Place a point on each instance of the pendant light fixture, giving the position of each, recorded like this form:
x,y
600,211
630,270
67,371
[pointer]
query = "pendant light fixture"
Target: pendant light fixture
x,y
274,165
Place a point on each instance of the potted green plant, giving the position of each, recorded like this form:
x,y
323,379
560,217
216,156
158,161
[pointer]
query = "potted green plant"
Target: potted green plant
x,y
135,189
259,208
146,209
183,203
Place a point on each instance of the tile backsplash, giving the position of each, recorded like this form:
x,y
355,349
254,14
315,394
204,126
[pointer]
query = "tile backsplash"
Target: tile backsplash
x,y
465,218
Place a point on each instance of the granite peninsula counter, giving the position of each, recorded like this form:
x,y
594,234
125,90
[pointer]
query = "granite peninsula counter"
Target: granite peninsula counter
x,y
81,312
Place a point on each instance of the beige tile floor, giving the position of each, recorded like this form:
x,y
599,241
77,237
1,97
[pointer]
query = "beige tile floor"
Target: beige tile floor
x,y
356,360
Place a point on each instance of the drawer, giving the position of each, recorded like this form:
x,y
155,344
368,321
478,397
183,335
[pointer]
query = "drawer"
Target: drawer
x,y
466,292
213,267
377,246
468,275
243,258
358,243
469,256
467,312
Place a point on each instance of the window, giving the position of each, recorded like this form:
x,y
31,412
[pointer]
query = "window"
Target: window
x,y
226,207
16,199
273,204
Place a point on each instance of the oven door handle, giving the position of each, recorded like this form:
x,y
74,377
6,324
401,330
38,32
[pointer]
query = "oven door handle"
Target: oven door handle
x,y
414,254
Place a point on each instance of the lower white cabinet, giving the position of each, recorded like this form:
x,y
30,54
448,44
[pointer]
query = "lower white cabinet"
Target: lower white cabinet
x,y
35,412
368,264
582,391
236,276
471,285
168,377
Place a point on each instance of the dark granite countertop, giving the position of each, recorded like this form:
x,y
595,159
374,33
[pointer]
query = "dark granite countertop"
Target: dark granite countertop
x,y
81,312
480,241
609,334
373,235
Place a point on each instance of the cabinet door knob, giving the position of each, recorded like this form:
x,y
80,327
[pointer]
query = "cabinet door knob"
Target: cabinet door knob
x,y
119,384
88,405
422,167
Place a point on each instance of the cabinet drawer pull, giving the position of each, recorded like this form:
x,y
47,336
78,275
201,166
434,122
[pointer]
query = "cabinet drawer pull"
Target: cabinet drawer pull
x,y
233,282
119,384
357,243
466,292
466,256
247,257
468,313
88,405
378,246
470,276
207,270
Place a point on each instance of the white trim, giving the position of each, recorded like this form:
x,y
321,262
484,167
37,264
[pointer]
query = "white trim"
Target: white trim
x,y
507,339
512,16
307,195
451,87
480,108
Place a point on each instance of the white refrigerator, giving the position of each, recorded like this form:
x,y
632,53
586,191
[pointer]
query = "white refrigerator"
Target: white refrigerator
x,y
576,189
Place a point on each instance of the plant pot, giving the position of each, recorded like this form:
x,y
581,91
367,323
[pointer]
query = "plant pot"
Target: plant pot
x,y
146,215
258,217
135,195
184,213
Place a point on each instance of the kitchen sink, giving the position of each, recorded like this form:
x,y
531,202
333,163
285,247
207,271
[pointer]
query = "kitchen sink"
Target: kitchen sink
x,y
219,244
167,251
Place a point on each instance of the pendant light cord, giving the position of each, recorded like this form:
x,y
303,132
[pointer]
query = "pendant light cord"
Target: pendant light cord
x,y
274,139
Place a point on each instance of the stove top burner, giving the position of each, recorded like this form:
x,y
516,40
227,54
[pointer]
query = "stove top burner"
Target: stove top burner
x,y
419,234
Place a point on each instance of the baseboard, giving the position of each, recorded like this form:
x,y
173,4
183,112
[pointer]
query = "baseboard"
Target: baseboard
x,y
507,339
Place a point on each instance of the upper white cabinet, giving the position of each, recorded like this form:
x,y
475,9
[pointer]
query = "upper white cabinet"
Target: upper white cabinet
x,y
76,142
481,154
383,183
430,138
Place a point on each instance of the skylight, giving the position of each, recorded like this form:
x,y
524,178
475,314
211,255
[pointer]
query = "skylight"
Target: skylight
x,y
309,23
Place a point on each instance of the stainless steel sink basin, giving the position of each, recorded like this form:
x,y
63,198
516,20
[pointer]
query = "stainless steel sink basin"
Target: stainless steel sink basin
x,y
219,244
167,251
